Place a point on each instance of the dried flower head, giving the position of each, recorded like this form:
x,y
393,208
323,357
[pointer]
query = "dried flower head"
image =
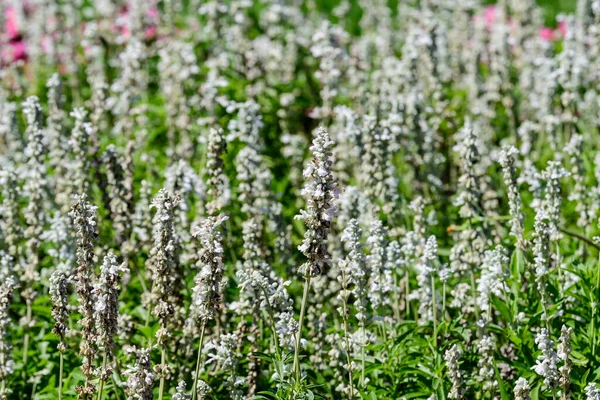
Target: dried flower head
x,y
320,192
59,296
106,309
164,261
84,220
206,297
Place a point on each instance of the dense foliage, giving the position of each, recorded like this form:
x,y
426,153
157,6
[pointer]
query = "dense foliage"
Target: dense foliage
x,y
238,199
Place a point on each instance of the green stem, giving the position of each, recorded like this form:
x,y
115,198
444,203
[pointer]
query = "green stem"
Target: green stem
x,y
346,330
25,349
558,262
593,329
229,233
163,356
543,300
195,387
362,355
433,309
594,305
517,254
60,376
296,367
139,275
519,280
278,365
444,301
473,286
398,299
273,327
474,293
580,237
117,381
26,338
406,296
26,341
103,372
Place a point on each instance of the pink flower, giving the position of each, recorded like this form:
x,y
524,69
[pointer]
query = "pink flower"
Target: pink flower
x,y
489,18
19,50
153,14
547,34
125,31
14,51
121,24
490,15
47,44
150,32
562,28
11,26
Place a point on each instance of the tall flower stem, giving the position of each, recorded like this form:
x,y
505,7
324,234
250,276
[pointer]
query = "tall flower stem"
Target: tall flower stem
x,y
363,357
474,291
60,375
406,298
279,369
273,327
594,305
433,309
300,325
195,387
472,275
444,301
545,312
26,337
593,329
104,360
320,192
163,362
346,334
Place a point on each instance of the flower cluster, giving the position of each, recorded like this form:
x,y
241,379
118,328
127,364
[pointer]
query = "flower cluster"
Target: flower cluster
x,y
320,192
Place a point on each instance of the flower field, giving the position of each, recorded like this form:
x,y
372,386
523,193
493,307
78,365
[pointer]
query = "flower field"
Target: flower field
x,y
287,199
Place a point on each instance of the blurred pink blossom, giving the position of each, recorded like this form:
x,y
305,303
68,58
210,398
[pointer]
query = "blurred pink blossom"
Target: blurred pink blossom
x,y
550,35
562,28
11,27
489,18
489,15
150,32
153,14
14,51
547,34
122,24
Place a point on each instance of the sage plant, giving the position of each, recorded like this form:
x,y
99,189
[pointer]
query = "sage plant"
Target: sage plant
x,y
320,192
